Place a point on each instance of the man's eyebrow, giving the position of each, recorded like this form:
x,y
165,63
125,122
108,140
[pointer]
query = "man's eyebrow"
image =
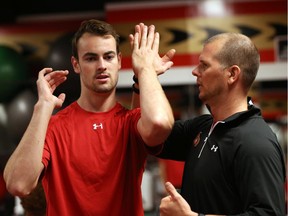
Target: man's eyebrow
x,y
90,54
95,54
202,61
110,52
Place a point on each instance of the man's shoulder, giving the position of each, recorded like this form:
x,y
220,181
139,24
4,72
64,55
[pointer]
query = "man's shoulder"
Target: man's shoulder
x,y
63,113
205,119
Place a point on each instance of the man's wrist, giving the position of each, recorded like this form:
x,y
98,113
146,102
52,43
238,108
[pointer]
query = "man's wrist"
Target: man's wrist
x,y
135,89
135,86
135,79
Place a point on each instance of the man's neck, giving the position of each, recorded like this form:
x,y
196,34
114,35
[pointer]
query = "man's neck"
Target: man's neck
x,y
221,111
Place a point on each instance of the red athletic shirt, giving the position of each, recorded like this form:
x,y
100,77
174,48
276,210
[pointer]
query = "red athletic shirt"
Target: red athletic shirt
x,y
94,163
173,171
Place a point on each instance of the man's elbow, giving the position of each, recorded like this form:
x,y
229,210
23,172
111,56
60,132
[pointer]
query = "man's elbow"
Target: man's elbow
x,y
18,188
159,132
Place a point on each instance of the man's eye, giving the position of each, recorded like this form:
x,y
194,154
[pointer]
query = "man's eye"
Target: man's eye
x,y
203,66
90,59
109,57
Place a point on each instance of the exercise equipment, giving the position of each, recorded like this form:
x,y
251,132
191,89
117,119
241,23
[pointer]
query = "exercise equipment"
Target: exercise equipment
x,y
13,73
59,58
19,113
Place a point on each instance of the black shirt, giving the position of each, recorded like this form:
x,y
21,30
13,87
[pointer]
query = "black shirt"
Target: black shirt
x,y
235,167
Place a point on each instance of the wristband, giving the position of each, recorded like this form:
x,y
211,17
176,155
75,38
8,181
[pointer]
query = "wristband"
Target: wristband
x,y
136,90
135,79
200,214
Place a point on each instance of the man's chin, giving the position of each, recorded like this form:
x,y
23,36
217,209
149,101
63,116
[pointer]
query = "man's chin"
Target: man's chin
x,y
202,98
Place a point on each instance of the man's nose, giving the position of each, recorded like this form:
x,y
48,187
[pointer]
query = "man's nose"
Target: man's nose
x,y
101,64
195,71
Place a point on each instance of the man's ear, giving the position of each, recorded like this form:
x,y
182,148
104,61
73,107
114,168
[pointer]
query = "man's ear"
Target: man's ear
x,y
119,56
234,73
75,64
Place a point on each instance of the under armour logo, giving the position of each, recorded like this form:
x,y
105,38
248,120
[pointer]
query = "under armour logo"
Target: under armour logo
x,y
95,126
214,148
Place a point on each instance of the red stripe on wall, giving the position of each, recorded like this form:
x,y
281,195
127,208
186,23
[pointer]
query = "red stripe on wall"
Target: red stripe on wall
x,y
267,55
179,60
134,12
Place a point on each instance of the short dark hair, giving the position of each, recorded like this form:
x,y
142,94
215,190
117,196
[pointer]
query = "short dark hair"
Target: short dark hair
x,y
95,27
